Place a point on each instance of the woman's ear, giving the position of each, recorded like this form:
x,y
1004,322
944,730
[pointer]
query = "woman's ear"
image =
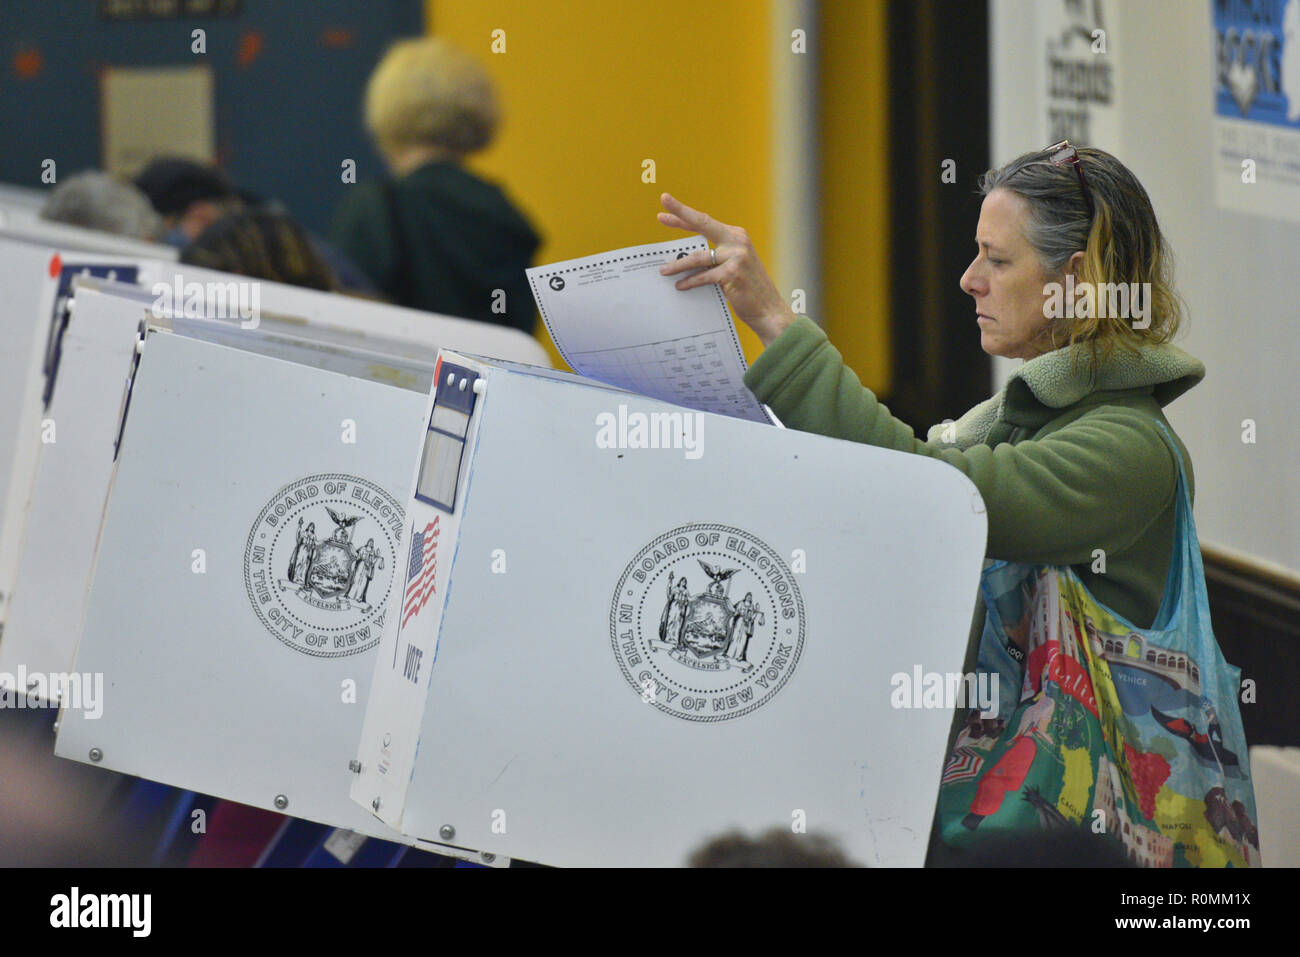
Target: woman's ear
x,y
1075,262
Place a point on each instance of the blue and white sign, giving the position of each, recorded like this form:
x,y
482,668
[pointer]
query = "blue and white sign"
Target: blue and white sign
x,y
1257,106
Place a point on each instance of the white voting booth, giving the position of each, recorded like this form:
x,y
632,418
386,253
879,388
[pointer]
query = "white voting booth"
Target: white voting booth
x,y
72,474
235,648
35,281
606,654
21,226
503,637
38,261
487,621
51,534
312,357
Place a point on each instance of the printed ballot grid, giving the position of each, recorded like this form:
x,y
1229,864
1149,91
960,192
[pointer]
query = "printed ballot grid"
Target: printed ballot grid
x,y
690,370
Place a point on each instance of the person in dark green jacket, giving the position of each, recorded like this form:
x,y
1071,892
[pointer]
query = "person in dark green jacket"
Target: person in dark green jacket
x,y
434,236
1067,456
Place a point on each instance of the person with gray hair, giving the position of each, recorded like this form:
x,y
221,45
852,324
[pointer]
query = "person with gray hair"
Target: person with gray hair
x,y
433,235
1068,456
1078,468
101,201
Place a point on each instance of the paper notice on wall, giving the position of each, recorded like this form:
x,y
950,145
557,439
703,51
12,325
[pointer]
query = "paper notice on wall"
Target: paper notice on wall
x,y
156,111
1079,86
1257,107
616,319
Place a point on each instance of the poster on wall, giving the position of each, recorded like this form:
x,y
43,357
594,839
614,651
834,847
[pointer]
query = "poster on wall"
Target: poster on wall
x,y
1257,107
156,111
1080,90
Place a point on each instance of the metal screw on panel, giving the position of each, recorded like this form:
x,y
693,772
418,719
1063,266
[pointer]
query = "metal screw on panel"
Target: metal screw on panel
x,y
354,766
375,805
488,857
446,832
96,754
281,802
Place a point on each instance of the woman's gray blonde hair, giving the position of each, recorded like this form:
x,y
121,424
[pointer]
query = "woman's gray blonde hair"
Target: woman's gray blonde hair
x,y
426,92
1122,243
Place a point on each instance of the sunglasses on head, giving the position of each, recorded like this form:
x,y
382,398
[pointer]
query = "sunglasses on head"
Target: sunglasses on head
x,y
1062,153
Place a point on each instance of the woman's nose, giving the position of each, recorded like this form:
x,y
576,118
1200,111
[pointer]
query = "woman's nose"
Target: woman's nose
x,y
969,284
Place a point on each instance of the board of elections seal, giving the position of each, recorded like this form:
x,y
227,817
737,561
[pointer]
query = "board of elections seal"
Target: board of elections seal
x,y
320,561
707,623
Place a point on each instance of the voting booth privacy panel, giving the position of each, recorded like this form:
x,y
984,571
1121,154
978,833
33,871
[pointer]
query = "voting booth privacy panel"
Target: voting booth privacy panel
x,y
229,614
36,282
239,530
32,252
69,483
359,324
63,482
22,268
652,646
72,475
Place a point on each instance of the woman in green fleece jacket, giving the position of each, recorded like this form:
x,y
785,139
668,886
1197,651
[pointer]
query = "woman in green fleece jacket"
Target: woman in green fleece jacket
x,y
1068,456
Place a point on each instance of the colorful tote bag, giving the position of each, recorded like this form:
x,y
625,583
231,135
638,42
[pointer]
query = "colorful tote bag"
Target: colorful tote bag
x,y
1130,733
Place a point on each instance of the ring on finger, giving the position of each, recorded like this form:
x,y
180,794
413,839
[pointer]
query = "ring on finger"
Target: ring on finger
x,y
714,256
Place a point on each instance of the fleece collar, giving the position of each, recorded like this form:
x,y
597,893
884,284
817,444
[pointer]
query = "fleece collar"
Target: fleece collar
x,y
1037,389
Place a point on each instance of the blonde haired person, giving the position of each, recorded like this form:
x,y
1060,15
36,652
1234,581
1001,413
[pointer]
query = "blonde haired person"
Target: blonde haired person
x,y
433,235
1068,456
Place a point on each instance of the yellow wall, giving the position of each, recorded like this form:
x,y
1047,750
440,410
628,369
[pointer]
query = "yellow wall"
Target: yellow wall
x,y
592,88
855,185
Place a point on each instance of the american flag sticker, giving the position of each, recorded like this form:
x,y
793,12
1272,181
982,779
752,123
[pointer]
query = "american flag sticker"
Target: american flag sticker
x,y
421,571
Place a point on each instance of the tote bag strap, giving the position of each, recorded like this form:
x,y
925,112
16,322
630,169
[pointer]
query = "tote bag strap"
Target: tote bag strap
x,y
1186,582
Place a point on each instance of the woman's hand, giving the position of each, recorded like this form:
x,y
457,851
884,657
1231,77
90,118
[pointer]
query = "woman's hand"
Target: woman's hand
x,y
744,281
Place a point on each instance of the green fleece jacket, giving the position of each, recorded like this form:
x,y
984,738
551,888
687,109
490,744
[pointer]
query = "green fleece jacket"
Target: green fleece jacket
x,y
1066,462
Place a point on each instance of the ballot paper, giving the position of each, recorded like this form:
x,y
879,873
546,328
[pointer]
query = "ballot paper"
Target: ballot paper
x,y
615,318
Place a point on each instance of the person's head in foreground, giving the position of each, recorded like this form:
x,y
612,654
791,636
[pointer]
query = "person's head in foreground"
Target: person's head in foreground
x,y
1064,211
776,848
94,200
428,100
